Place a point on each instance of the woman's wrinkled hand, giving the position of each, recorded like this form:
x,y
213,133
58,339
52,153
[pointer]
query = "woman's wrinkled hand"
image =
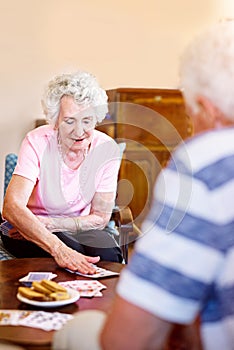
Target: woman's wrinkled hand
x,y
71,259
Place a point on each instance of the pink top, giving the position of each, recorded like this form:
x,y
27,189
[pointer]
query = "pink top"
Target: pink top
x,y
58,189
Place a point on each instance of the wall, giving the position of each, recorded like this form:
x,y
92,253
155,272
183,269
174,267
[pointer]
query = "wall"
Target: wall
x,y
124,43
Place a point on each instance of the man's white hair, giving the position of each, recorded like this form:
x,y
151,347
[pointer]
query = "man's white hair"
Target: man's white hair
x,y
207,69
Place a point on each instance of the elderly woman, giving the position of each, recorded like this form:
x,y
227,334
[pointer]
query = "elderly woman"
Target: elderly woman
x,y
63,189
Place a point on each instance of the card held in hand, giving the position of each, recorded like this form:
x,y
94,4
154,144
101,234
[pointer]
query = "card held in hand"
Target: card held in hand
x,y
5,227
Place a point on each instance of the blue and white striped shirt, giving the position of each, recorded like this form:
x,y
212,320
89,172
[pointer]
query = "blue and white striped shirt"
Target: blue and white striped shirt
x,y
184,264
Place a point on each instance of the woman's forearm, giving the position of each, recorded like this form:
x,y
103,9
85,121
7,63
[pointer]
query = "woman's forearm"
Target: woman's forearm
x,y
75,224
92,221
100,213
25,222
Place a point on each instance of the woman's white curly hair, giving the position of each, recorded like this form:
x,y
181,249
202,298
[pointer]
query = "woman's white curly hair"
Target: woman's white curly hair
x,y
82,86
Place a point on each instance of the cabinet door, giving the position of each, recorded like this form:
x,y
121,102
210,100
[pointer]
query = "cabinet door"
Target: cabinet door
x,y
152,117
137,176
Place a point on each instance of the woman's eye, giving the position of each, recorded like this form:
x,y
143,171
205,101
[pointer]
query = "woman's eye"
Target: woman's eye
x,y
69,121
87,121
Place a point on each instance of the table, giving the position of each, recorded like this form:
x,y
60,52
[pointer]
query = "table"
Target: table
x,y
10,273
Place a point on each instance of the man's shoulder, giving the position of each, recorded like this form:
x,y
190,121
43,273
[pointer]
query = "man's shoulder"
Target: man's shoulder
x,y
211,137
206,148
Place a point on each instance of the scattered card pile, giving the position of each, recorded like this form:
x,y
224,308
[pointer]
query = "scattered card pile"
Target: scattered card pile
x,y
86,288
47,321
100,273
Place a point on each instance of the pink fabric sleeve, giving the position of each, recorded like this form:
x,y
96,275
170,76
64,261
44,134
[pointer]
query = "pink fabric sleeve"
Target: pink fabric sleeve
x,y
28,162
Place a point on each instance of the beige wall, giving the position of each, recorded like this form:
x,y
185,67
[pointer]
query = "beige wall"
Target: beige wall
x,y
124,43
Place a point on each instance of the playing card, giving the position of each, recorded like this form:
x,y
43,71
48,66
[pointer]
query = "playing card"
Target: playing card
x,y
5,227
12,317
100,273
36,276
47,321
6,317
86,288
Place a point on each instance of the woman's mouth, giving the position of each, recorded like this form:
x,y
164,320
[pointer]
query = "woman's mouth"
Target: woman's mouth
x,y
78,140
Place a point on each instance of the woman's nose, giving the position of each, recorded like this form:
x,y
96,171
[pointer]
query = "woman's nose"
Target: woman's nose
x,y
79,130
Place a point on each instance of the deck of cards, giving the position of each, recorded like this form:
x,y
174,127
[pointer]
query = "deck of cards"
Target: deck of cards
x,y
86,288
47,321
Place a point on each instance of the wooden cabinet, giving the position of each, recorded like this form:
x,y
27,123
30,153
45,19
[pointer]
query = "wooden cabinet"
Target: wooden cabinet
x,y
152,122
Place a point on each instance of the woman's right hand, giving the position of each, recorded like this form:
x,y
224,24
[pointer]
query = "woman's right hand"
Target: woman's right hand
x,y
71,259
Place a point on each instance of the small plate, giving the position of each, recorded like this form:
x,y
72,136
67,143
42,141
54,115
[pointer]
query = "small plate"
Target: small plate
x,y
75,295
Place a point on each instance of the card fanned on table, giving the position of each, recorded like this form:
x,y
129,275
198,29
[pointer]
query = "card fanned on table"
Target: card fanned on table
x,y
86,288
100,273
47,321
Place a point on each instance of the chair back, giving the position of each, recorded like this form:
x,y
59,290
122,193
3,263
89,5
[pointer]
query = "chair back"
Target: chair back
x,y
10,163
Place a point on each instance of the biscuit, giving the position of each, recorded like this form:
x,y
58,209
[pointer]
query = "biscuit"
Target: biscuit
x,y
53,286
32,294
37,286
59,295
40,291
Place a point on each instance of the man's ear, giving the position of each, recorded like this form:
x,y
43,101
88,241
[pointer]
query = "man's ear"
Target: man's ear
x,y
215,116
207,108
211,112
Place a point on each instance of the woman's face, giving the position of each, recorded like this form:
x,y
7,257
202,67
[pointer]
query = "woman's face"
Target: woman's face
x,y
75,124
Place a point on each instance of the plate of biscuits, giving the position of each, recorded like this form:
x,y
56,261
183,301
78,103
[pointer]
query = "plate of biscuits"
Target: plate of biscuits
x,y
47,293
